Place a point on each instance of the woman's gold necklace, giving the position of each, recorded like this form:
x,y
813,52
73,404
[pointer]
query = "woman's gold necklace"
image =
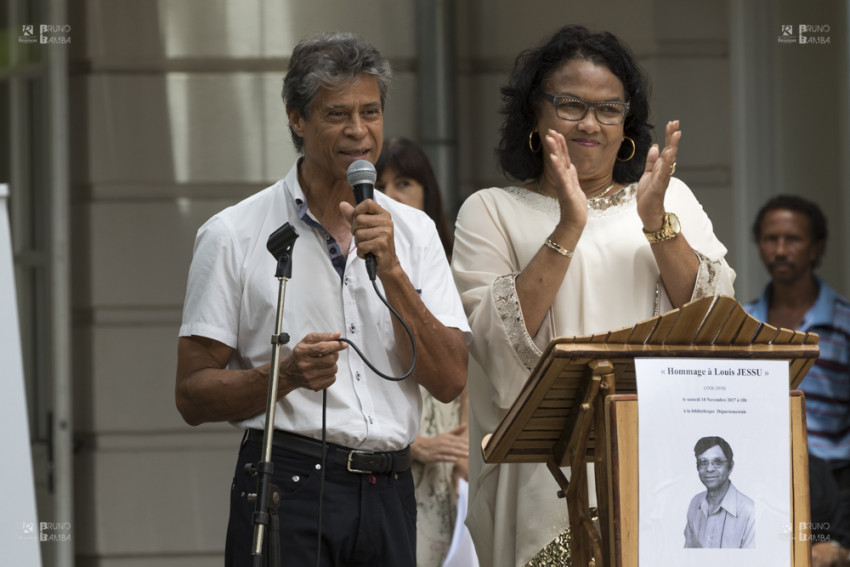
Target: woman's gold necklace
x,y
599,196
605,192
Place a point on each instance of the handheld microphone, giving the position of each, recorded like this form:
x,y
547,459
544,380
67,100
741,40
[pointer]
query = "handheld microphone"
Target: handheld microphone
x,y
362,177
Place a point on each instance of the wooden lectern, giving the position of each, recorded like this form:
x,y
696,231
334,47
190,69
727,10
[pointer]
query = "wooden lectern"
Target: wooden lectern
x,y
579,405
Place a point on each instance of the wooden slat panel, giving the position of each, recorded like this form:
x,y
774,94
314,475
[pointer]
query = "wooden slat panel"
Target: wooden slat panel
x,y
766,334
545,423
665,325
642,330
798,370
560,394
518,457
546,404
715,320
587,385
524,445
783,337
731,326
529,435
530,398
747,331
689,322
620,336
599,338
549,413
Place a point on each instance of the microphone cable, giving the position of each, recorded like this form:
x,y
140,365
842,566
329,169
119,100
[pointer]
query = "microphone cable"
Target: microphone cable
x,y
280,245
407,330
325,404
361,176
322,475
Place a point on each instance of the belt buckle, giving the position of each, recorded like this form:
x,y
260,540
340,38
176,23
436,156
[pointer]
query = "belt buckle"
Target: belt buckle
x,y
351,454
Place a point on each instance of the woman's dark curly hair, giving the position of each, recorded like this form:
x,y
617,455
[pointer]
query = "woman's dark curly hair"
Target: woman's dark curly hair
x,y
522,96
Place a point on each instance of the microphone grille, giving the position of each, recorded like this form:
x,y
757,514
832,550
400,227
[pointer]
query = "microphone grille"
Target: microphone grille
x,y
361,171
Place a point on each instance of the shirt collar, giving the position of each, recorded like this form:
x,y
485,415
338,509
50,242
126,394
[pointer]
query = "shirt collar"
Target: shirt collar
x,y
729,502
822,311
759,308
295,192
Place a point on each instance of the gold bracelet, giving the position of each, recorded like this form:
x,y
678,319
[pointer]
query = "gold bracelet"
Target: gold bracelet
x,y
559,249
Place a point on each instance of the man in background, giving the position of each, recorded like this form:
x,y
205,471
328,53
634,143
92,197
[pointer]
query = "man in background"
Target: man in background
x,y
791,234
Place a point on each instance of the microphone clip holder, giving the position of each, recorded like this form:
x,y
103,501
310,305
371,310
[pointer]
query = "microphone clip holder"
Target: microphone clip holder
x,y
280,245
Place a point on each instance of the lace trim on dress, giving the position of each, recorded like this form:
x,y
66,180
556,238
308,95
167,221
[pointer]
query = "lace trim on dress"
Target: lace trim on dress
x,y
706,284
707,276
549,205
509,310
659,285
541,203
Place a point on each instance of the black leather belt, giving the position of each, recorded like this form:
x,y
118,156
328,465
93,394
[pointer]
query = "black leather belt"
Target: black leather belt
x,y
353,460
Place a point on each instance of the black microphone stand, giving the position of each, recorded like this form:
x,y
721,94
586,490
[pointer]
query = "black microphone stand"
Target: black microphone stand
x,y
267,497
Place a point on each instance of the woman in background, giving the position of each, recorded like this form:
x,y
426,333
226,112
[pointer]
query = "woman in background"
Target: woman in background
x,y
441,450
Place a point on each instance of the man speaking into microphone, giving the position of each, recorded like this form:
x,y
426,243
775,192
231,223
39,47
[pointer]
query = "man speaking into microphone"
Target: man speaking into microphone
x,y
334,94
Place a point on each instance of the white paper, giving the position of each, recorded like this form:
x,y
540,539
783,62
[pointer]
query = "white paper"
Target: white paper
x,y
462,551
746,403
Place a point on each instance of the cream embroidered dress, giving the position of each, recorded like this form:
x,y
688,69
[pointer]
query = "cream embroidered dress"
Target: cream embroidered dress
x,y
436,502
612,282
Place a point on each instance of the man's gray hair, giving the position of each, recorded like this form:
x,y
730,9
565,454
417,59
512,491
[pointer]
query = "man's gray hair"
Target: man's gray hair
x,y
329,60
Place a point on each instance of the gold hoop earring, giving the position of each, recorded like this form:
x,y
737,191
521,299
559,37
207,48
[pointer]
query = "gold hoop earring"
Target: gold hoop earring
x,y
531,142
634,149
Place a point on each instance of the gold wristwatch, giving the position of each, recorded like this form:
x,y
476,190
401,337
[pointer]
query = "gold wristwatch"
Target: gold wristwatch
x,y
669,229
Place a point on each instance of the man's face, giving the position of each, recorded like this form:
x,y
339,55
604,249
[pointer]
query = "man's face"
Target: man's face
x,y
713,467
346,124
786,245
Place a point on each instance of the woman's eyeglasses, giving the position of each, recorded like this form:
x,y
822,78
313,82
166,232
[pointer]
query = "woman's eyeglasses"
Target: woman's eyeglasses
x,y
575,109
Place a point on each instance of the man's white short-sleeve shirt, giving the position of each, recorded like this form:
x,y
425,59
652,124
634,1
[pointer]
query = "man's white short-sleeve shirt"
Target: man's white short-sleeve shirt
x,y
232,297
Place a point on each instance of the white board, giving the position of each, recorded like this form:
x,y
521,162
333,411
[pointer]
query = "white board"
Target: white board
x,y
690,406
19,527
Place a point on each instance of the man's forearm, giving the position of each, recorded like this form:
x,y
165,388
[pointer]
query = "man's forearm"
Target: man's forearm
x,y
442,356
215,395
